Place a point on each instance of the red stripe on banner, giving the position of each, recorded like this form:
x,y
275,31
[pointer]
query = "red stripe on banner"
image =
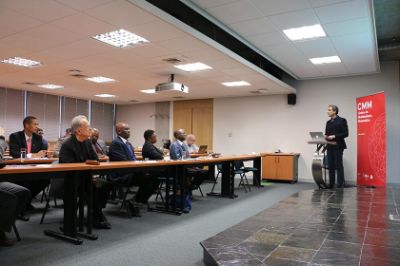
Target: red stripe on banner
x,y
371,140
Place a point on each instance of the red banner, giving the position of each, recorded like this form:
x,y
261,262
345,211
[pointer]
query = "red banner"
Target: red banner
x,y
371,140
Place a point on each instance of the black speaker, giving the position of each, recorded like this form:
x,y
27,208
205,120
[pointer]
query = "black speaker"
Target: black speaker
x,y
291,99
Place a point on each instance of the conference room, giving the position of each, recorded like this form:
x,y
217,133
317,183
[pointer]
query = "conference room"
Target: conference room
x,y
197,132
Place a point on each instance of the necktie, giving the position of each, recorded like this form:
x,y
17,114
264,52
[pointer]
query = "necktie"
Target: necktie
x,y
28,145
98,149
130,149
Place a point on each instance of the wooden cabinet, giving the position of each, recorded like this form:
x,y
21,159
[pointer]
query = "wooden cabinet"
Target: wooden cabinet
x,y
280,166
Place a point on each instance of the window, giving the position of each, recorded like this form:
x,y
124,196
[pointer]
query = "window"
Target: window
x,y
103,119
11,110
70,108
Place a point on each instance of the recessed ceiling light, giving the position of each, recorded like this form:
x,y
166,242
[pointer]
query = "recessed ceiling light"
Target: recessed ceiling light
x,y
193,67
18,61
51,86
148,91
325,60
120,38
105,95
100,79
236,83
306,32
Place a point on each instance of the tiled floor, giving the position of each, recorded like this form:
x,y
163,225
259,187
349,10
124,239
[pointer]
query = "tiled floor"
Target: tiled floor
x,y
350,226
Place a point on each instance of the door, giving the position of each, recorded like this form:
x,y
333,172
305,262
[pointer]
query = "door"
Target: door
x,y
285,167
269,167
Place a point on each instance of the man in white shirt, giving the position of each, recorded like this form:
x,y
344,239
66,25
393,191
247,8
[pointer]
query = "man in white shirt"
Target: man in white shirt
x,y
190,142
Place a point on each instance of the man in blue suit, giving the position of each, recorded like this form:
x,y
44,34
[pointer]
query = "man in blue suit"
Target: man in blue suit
x,y
122,150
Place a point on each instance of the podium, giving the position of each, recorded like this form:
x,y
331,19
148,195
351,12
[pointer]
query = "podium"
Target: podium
x,y
319,165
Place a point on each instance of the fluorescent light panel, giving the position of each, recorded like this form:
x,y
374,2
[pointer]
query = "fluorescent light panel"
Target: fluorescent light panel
x,y
149,91
105,95
18,61
120,38
100,79
236,83
325,60
306,32
193,66
51,86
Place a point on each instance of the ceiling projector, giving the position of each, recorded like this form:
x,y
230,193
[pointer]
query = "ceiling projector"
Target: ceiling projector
x,y
171,86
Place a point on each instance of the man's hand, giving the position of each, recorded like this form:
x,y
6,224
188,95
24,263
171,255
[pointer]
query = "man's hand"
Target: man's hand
x,y
39,154
330,137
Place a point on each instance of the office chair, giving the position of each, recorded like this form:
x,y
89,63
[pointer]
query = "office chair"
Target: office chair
x,y
219,172
239,170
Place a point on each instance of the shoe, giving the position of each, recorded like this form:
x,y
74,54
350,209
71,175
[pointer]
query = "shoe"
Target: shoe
x,y
30,207
101,225
4,241
186,210
135,211
22,217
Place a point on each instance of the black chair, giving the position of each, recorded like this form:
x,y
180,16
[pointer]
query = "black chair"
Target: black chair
x,y
55,191
238,170
16,232
219,172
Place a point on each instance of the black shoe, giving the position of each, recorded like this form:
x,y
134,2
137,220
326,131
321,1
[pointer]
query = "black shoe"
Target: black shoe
x,y
135,211
22,217
101,225
4,241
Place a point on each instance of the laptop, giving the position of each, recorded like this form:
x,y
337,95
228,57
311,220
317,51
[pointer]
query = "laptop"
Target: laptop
x,y
202,149
317,136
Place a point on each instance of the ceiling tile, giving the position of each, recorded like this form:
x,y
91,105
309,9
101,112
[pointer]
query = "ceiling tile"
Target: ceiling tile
x,y
234,12
157,31
84,24
253,27
271,7
316,48
343,11
13,22
267,39
348,27
318,3
295,19
83,5
332,69
205,4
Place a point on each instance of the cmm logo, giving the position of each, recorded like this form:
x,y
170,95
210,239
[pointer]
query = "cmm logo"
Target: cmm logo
x,y
364,105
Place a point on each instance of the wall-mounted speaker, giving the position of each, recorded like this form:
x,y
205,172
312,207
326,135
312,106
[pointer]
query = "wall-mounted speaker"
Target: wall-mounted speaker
x,y
291,99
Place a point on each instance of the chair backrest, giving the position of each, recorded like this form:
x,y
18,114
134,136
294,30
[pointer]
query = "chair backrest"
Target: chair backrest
x,y
219,167
238,165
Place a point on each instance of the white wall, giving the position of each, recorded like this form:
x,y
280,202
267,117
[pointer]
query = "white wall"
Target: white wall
x,y
139,117
264,123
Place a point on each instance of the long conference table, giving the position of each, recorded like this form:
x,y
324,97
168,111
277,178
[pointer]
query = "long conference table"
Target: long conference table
x,y
79,175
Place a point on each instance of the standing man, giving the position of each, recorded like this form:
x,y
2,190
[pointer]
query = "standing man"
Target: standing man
x,y
77,149
28,139
336,130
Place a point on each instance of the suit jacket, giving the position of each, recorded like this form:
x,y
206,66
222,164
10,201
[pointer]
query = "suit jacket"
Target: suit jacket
x,y
18,141
339,128
176,150
103,146
152,152
73,151
119,151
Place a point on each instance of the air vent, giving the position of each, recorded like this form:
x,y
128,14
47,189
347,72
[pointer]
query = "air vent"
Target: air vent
x,y
133,101
255,92
178,97
78,76
30,83
75,70
172,60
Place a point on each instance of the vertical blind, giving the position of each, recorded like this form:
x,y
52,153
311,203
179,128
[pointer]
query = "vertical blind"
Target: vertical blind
x,y
102,116
11,110
70,108
46,109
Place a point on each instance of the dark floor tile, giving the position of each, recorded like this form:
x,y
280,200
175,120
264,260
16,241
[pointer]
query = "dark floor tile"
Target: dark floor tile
x,y
307,239
233,256
317,226
346,228
341,247
241,262
327,258
294,254
257,248
385,253
369,261
251,225
235,234
347,237
269,237
282,262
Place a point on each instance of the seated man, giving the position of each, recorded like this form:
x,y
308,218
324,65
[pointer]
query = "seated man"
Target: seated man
x,y
78,148
40,132
30,141
98,144
149,150
179,150
190,142
13,200
61,141
122,150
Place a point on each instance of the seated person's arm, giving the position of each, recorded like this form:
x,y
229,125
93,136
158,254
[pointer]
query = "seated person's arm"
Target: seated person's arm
x,y
117,152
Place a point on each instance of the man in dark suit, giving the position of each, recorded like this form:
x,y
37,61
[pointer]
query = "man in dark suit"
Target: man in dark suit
x,y
149,150
336,130
29,140
98,145
78,148
122,150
